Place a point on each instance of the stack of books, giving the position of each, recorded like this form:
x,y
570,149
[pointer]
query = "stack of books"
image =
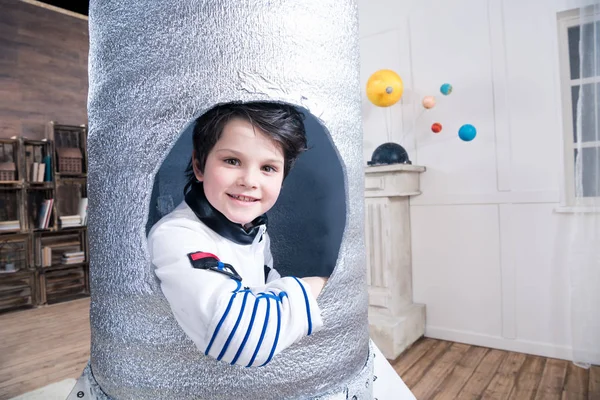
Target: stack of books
x,y
10,226
67,221
75,257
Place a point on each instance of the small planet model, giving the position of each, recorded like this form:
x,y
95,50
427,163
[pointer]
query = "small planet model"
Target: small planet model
x,y
389,153
446,89
428,102
436,127
467,132
384,88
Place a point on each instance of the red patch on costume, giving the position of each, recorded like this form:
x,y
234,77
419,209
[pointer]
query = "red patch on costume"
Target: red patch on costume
x,y
200,254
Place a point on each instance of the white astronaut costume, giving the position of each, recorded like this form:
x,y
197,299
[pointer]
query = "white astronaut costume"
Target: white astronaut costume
x,y
227,297
221,285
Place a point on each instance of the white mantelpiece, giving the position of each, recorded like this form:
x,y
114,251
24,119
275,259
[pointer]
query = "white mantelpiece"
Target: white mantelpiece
x,y
395,322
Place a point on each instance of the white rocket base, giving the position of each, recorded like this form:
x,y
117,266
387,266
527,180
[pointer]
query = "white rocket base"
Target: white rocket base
x,y
386,384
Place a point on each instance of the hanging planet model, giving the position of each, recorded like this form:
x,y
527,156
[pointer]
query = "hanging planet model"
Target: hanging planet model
x,y
446,89
467,132
436,127
428,102
384,88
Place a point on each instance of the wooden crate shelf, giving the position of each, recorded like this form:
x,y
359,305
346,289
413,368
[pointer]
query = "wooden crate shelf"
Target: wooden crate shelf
x,y
25,184
70,144
17,283
71,200
12,217
10,173
37,161
35,200
63,284
17,290
15,252
50,248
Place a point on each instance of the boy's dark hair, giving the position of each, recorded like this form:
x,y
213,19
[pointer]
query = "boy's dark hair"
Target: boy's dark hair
x,y
281,122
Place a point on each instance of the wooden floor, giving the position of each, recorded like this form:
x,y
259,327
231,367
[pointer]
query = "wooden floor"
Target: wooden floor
x,y
436,369
42,346
49,344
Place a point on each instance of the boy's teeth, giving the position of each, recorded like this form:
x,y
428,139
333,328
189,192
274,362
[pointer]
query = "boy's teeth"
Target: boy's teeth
x,y
242,198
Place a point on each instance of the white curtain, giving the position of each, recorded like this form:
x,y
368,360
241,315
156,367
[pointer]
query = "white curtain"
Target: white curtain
x,y
581,228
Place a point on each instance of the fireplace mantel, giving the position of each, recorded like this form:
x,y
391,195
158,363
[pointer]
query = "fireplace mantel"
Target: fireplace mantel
x,y
395,322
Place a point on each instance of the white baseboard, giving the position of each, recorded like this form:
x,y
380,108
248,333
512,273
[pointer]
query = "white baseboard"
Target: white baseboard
x,y
496,342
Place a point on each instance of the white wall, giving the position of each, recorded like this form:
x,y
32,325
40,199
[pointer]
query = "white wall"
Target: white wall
x,y
484,229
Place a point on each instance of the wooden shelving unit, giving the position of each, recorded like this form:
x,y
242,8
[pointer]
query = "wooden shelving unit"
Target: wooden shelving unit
x,y
17,289
17,279
43,253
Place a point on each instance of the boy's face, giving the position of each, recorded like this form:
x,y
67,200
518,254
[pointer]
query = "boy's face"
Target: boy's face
x,y
243,172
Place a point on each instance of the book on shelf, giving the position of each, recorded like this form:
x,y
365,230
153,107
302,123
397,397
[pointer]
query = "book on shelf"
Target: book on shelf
x,y
48,170
37,166
37,172
41,172
6,226
82,210
34,172
68,221
75,257
74,254
50,249
45,213
46,256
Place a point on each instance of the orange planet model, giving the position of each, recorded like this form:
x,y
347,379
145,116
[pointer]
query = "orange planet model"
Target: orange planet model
x,y
384,88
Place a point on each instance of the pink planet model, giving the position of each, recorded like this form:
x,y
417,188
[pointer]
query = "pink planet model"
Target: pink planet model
x,y
428,102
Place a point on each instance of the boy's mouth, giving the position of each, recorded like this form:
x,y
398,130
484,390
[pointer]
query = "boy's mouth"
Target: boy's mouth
x,y
238,197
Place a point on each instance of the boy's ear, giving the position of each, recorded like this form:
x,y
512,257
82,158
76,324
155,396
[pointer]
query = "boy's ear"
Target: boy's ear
x,y
196,167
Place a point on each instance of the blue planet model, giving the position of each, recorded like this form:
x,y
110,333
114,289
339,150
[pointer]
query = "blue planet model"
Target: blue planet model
x,y
446,89
467,132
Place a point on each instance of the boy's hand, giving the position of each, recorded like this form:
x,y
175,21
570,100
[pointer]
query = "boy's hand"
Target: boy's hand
x,y
316,284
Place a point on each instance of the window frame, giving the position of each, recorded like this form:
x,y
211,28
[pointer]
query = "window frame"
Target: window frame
x,y
567,20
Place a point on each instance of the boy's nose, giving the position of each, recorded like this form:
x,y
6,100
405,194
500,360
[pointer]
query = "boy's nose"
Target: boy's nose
x,y
248,178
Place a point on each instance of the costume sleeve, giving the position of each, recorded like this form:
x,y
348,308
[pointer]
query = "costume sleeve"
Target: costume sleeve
x,y
232,323
270,273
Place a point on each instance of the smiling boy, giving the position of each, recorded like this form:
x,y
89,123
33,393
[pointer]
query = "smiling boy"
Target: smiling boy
x,y
243,172
212,254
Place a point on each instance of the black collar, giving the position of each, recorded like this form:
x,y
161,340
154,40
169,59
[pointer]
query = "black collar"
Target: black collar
x,y
211,217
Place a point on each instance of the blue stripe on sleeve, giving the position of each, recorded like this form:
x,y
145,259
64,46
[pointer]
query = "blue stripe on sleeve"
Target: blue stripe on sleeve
x,y
281,295
307,306
278,329
262,335
214,336
276,297
250,325
237,322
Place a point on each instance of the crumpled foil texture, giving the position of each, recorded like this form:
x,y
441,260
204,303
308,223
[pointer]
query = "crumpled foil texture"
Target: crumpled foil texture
x,y
154,66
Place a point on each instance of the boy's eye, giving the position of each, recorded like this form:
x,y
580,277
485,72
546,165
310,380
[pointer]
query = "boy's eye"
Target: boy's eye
x,y
232,161
268,168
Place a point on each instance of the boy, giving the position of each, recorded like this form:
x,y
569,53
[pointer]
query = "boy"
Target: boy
x,y
212,254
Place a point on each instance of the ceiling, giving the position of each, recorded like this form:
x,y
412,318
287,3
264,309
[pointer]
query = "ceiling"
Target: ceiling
x,y
78,6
